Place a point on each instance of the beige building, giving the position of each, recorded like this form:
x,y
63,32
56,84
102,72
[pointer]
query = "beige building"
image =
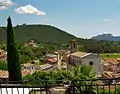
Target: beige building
x,y
90,59
3,55
83,58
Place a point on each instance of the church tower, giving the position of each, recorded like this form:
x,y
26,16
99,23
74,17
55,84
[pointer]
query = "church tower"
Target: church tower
x,y
73,46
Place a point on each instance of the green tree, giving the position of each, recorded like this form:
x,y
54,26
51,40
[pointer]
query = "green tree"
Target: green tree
x,y
3,65
83,72
24,59
53,77
14,67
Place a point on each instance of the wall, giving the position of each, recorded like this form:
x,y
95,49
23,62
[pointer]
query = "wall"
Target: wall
x,y
97,66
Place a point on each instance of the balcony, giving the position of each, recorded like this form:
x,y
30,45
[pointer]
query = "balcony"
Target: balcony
x,y
93,86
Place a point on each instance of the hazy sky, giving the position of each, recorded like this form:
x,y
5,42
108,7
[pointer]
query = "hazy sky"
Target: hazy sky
x,y
82,18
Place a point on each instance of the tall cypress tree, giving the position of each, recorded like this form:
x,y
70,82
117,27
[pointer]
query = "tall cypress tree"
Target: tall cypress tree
x,y
14,66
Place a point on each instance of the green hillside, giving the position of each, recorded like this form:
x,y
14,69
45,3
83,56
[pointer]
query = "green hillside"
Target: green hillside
x,y
50,34
41,33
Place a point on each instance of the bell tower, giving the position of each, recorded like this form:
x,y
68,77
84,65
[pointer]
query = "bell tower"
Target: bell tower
x,y
73,46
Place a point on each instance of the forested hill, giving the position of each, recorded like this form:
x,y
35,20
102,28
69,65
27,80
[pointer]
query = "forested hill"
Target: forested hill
x,y
50,34
41,33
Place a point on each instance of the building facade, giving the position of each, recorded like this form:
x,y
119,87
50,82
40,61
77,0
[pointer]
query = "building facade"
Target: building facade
x,y
90,59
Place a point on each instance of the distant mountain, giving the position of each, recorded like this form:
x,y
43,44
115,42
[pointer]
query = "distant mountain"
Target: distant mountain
x,y
41,33
107,37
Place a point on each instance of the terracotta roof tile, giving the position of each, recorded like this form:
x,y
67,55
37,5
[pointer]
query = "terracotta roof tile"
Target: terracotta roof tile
x,y
52,60
3,74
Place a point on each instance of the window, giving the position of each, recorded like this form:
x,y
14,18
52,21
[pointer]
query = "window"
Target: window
x,y
91,63
74,45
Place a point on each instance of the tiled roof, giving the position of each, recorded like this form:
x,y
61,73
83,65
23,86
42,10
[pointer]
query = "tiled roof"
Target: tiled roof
x,y
80,54
51,60
111,61
3,74
27,64
110,75
26,72
46,66
1,50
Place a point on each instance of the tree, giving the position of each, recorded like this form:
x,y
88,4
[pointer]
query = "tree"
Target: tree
x,y
83,72
3,65
14,67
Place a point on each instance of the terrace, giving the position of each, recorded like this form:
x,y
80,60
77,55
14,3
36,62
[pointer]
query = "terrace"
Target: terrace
x,y
96,86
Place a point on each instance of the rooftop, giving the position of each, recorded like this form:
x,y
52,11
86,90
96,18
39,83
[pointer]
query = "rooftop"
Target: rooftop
x,y
111,61
1,50
80,54
52,60
3,74
46,66
27,64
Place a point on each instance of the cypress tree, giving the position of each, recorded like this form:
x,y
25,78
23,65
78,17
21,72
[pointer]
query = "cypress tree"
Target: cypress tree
x,y
14,67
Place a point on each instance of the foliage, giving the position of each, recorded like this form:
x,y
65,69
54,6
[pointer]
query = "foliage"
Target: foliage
x,y
107,92
28,53
42,33
61,76
3,65
118,90
83,72
46,34
3,46
24,59
54,77
13,57
110,55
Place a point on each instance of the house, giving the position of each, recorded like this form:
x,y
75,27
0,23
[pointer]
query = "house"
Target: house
x,y
52,58
47,67
3,75
111,64
31,43
3,54
110,67
26,72
51,61
30,66
76,58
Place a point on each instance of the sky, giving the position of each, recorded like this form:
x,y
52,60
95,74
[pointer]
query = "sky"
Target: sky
x,y
82,18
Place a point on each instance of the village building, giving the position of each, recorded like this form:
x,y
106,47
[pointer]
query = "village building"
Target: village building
x,y
3,55
111,65
31,43
34,67
47,67
90,59
52,59
3,76
30,66
26,69
76,58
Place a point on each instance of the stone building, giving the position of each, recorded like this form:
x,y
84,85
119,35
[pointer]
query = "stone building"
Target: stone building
x,y
77,58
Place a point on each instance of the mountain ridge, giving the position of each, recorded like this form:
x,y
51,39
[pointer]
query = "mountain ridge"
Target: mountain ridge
x,y
106,37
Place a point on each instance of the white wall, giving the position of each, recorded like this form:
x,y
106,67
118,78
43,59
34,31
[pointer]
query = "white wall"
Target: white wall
x,y
97,66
